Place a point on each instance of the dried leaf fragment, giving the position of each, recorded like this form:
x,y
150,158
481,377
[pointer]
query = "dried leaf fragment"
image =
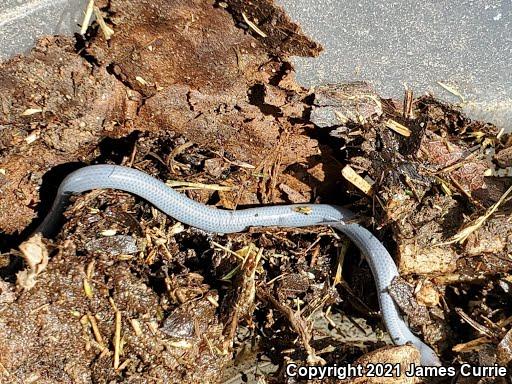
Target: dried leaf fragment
x,y
428,295
35,255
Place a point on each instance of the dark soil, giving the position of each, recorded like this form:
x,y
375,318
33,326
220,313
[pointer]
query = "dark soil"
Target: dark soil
x,y
186,90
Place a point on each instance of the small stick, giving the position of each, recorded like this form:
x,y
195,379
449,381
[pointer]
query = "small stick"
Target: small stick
x,y
463,234
117,340
341,258
4,370
96,330
471,345
124,365
107,31
113,304
477,326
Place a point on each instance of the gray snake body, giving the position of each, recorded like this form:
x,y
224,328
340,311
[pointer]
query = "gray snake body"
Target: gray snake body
x,y
210,219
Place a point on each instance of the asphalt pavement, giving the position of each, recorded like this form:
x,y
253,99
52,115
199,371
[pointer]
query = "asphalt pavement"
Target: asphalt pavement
x,y
465,44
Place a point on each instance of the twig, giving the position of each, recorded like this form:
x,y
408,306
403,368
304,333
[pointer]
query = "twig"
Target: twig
x,y
298,323
107,31
96,330
471,345
117,340
479,327
215,244
171,163
341,257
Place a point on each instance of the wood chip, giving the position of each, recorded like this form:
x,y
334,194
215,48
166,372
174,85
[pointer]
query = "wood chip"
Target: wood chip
x,y
108,232
141,80
136,327
500,133
354,178
180,344
124,365
213,301
32,137
408,99
31,111
398,128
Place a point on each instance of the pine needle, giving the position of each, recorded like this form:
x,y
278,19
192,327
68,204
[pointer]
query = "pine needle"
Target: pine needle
x,y
253,26
452,90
